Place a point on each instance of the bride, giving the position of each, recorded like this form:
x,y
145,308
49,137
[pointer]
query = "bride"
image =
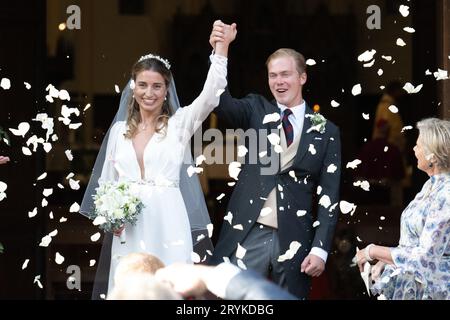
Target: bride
x,y
149,145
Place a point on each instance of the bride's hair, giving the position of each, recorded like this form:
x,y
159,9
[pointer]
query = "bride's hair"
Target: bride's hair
x,y
133,114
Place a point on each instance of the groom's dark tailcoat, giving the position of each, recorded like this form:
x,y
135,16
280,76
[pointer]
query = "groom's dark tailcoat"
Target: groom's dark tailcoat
x,y
298,192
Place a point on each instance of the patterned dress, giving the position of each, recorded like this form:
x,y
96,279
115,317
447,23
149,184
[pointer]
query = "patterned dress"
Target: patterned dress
x,y
421,267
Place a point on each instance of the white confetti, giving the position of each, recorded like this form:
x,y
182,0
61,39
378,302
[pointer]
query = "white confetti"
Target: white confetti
x,y
441,74
325,201
87,107
334,104
75,207
25,264
92,262
199,160
238,227
210,228
195,257
36,280
75,126
406,128
274,117
274,139
346,207
366,116
409,29
242,151
408,87
316,224
387,58
193,170
220,197
393,109
231,184
22,130
5,83
228,217
290,253
404,10
59,259
400,42
301,213
50,215
312,149
64,95
116,88
241,264
359,239
45,241
69,154
319,190
42,176
234,169
292,174
74,184
95,237
369,64
262,154
47,192
240,252
356,90
365,185
380,72
32,213
3,187
265,211
60,186
278,149
44,203
382,218
386,149
99,220
310,62
27,85
367,55
331,168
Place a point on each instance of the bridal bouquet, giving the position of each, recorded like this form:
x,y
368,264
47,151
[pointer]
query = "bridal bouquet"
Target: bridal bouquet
x,y
116,204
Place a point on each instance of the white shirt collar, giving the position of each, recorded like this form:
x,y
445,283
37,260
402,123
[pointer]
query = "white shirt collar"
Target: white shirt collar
x,y
298,111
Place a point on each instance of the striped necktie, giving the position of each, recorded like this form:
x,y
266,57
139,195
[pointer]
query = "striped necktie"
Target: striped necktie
x,y
287,126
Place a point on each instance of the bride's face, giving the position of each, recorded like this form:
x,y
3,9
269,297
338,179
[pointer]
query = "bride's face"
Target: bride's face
x,y
150,91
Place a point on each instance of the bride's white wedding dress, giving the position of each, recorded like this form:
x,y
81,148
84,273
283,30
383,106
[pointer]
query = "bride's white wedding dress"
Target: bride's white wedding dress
x,y
162,228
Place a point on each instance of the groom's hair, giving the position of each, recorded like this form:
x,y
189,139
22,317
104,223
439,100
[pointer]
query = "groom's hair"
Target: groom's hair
x,y
286,52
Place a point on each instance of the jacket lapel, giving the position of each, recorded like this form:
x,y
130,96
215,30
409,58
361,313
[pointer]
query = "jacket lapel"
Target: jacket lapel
x,y
306,138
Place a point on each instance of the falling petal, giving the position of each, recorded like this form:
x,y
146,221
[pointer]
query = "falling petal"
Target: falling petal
x,y
45,241
441,74
366,116
199,160
331,168
312,149
278,149
60,186
265,211
387,58
75,207
220,197
64,95
69,155
25,264
410,88
238,227
310,62
27,85
234,169
32,213
325,201
382,218
367,55
240,252
400,42
242,151
274,139
228,217
44,203
210,228
87,107
195,257
99,220
356,90
290,253
74,126
74,184
316,224
407,128
386,149
363,184
409,29
21,130
47,192
404,10
231,184
369,64
380,72
359,239
301,213
116,88
334,104
346,207
95,237
274,117
91,262
36,280
59,259
5,83
393,109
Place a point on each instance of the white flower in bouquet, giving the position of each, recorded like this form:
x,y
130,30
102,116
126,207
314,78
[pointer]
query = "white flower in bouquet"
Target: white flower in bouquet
x,y
116,204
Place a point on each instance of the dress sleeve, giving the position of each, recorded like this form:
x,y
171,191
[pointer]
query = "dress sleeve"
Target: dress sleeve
x,y
433,241
190,118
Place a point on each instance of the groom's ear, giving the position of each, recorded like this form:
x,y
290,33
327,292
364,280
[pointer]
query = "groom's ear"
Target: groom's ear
x,y
303,78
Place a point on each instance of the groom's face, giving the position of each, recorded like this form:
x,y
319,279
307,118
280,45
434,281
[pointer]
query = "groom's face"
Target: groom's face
x,y
285,81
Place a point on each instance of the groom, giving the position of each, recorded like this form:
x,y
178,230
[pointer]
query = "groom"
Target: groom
x,y
284,221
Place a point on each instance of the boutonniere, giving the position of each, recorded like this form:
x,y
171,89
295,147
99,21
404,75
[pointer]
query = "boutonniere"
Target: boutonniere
x,y
4,136
318,121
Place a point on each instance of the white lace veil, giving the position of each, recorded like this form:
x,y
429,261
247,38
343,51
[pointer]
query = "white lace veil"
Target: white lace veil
x,y
189,186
